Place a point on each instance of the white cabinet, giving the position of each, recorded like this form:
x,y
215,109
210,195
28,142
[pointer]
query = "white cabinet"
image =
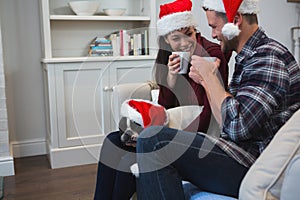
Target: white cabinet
x,y
77,87
78,100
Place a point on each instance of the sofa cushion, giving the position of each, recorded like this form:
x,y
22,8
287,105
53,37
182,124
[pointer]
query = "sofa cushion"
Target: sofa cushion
x,y
193,193
264,179
290,188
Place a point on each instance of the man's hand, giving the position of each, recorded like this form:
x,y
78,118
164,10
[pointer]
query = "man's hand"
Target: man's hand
x,y
203,69
207,74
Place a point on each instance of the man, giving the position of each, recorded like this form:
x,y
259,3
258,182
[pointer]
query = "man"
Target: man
x,y
263,94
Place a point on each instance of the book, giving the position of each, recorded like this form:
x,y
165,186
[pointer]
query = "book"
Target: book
x,y
128,42
101,46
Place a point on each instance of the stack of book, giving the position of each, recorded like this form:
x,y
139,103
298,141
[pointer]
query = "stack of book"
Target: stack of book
x,y
101,47
130,42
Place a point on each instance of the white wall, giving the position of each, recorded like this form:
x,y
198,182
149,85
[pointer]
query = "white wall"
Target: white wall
x,y
22,54
6,159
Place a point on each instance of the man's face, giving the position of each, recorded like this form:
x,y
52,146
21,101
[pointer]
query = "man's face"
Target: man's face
x,y
216,23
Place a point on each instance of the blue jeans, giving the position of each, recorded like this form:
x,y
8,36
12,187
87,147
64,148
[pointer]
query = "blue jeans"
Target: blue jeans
x,y
166,157
114,179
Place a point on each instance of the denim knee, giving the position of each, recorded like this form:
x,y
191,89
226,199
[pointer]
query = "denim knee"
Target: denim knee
x,y
147,139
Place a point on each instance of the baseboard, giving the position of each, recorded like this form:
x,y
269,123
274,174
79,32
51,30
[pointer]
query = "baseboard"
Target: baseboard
x,y
73,156
29,148
7,166
58,157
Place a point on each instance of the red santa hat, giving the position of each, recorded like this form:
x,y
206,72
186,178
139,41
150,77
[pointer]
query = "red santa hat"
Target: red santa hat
x,y
144,112
231,7
174,16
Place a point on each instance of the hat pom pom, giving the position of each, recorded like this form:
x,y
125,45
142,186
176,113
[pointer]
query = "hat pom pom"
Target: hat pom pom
x,y
230,30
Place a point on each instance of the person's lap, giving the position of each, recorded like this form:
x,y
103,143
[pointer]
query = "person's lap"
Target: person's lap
x,y
184,156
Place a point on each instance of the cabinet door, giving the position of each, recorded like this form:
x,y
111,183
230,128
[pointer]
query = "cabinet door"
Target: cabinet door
x,y
134,71
83,118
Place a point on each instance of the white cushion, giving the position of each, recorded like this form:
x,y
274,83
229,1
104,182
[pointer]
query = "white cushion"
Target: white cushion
x,y
290,189
264,178
182,116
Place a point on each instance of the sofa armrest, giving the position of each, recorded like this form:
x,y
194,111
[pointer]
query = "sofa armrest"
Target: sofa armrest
x,y
264,180
126,91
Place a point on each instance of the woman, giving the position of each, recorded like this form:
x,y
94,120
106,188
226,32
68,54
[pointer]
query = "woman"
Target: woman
x,y
114,179
179,89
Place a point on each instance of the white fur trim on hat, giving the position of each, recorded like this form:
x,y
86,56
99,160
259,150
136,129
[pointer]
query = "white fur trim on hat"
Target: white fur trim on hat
x,y
216,5
230,30
247,6
131,113
127,111
175,21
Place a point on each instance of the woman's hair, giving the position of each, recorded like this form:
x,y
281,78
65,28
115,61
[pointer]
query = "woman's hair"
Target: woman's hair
x,y
163,54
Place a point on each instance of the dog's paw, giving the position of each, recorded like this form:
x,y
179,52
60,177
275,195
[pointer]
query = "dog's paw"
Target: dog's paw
x,y
135,170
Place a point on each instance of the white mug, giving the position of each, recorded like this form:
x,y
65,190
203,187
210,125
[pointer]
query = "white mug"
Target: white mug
x,y
184,61
210,59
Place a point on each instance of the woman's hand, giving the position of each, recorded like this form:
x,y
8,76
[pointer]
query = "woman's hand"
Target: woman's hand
x,y
174,64
174,68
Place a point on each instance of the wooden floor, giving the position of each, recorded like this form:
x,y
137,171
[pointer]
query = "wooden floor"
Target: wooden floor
x,y
34,180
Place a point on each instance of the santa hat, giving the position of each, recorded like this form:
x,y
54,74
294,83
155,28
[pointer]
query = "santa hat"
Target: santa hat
x,y
174,16
144,112
231,7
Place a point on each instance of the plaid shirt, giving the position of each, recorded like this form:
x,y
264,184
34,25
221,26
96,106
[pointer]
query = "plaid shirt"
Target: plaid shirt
x,y
266,93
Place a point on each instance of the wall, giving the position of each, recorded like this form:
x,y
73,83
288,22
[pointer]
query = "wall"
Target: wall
x,y
6,160
22,54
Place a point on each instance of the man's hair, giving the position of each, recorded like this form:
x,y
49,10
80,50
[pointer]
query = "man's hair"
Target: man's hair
x,y
250,18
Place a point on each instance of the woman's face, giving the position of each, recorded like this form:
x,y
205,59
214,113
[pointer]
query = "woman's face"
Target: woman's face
x,y
182,40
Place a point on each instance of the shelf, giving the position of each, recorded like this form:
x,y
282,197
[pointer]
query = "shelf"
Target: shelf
x,y
97,59
100,18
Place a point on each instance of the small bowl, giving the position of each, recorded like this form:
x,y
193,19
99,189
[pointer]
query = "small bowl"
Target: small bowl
x,y
114,11
86,8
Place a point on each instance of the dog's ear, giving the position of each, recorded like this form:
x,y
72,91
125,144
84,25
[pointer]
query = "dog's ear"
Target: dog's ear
x,y
123,125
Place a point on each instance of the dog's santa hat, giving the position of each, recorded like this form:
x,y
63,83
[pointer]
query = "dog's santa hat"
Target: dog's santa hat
x,y
231,7
147,113
174,16
144,112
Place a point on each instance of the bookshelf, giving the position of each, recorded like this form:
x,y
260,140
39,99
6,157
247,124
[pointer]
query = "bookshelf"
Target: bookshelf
x,y
67,35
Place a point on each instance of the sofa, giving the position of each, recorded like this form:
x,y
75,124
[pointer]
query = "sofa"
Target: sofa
x,y
276,173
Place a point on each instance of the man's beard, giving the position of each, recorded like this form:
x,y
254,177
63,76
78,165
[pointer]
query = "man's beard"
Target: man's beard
x,y
229,45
